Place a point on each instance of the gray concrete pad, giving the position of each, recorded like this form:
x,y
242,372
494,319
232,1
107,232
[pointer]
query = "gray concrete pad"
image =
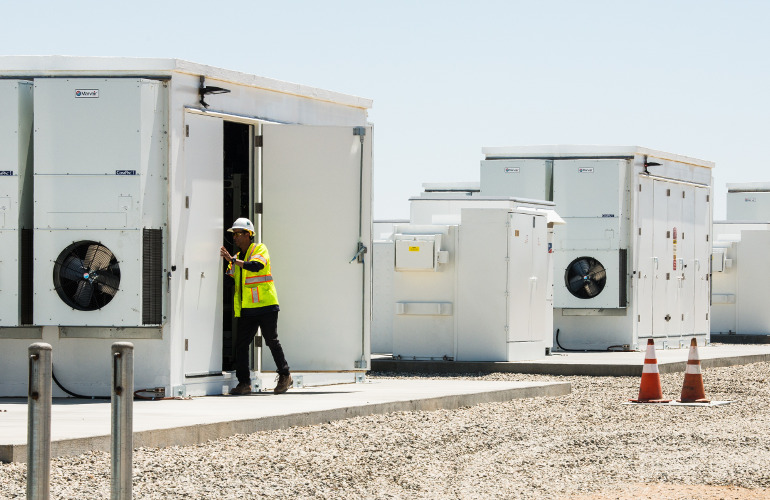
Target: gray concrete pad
x,y
78,426
602,363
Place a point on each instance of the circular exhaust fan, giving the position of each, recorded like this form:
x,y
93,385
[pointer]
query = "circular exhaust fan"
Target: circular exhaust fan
x,y
585,277
86,275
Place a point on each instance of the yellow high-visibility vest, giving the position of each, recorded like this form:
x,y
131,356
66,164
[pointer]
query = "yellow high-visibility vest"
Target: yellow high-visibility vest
x,y
253,289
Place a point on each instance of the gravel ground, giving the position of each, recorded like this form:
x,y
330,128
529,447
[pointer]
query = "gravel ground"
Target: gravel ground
x,y
587,445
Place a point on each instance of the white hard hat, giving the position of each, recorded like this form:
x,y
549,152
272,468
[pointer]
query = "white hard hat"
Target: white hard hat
x,y
243,223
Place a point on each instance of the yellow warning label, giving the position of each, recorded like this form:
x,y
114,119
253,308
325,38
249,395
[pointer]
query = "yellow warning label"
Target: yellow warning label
x,y
414,249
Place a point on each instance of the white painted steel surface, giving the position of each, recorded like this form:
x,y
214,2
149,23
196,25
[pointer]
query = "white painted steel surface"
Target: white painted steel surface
x,y
125,307
590,188
520,178
252,100
445,207
739,291
501,286
313,212
15,192
748,202
614,198
383,258
702,227
488,301
420,330
202,265
417,252
644,260
753,283
99,175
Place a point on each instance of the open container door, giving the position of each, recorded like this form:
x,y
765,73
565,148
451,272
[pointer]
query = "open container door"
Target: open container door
x,y
316,193
203,280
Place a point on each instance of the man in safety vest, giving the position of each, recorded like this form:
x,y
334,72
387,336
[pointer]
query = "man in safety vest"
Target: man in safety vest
x,y
256,305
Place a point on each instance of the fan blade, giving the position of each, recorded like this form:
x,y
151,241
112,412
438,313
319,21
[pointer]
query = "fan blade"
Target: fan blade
x,y
591,288
575,283
580,267
595,268
84,293
599,275
72,268
97,258
107,283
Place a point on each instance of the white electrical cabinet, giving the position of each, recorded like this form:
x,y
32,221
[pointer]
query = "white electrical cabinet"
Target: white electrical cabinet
x,y
739,262
486,297
740,276
15,198
140,166
100,157
519,178
502,286
632,261
748,202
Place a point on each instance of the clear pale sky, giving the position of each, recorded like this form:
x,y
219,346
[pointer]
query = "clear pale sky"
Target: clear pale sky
x,y
449,77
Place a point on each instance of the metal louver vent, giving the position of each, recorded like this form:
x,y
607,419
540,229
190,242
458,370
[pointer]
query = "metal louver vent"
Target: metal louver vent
x,y
152,276
25,287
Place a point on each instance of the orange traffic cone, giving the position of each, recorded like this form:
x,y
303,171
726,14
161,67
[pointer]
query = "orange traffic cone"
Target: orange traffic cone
x,y
650,390
692,390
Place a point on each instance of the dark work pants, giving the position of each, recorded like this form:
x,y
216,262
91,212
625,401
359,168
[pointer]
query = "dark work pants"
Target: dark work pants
x,y
247,329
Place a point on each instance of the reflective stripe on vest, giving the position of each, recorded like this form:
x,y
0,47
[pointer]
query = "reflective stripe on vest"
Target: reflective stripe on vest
x,y
258,279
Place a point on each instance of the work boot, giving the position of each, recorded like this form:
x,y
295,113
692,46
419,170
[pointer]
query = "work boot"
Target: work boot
x,y
284,382
241,389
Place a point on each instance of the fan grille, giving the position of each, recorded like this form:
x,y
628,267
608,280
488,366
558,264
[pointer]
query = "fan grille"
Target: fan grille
x,y
86,275
585,277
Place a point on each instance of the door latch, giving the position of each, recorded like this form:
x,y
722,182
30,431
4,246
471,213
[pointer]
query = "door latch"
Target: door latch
x,y
359,256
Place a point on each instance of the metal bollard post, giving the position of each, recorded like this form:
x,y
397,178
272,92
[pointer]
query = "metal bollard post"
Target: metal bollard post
x,y
122,446
39,422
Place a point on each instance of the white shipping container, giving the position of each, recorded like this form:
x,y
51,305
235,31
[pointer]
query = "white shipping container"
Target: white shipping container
x,y
633,259
152,159
15,198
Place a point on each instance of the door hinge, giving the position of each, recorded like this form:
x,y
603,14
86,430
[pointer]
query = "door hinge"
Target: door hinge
x,y
258,208
186,344
258,141
187,131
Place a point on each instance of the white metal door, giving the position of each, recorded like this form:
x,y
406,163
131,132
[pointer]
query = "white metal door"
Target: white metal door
x,y
673,267
316,191
663,292
687,258
538,282
202,223
702,238
520,273
645,266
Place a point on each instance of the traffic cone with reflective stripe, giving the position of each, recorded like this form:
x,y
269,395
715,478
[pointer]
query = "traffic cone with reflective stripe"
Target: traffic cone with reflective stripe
x,y
650,390
692,390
